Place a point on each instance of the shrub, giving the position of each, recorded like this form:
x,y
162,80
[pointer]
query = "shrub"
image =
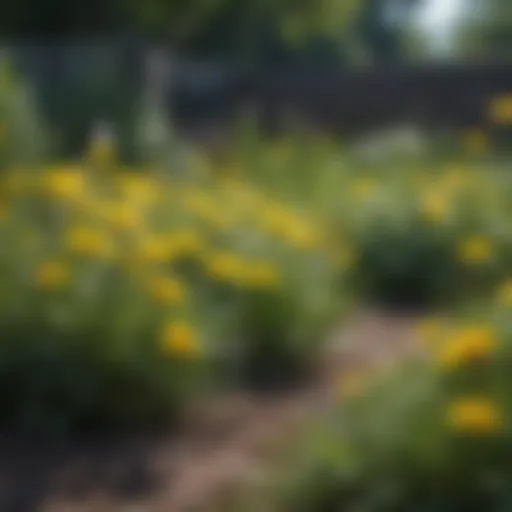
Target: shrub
x,y
429,434
121,291
424,238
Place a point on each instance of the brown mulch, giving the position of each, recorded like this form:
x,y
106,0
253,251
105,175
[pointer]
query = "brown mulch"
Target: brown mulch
x,y
226,444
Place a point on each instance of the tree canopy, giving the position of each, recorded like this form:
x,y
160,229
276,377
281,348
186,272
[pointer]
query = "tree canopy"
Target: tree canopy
x,y
241,28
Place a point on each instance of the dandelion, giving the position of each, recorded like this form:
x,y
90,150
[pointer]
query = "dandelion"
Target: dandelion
x,y
64,183
50,275
475,416
261,274
138,190
474,344
89,242
475,250
225,267
166,290
455,178
179,339
156,249
123,216
300,234
434,208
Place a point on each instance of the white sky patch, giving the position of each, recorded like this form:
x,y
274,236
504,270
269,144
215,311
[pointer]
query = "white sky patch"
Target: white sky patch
x,y
440,13
438,20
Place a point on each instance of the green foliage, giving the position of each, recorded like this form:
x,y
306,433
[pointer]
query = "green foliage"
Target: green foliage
x,y
23,140
485,30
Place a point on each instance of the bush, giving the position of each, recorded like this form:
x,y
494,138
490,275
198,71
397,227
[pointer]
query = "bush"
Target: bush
x,y
122,292
428,237
23,139
429,434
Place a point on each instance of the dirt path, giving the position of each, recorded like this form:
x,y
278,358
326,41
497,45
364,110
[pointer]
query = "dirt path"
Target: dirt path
x,y
228,445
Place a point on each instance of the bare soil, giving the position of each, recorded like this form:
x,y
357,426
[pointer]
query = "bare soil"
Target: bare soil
x,y
225,444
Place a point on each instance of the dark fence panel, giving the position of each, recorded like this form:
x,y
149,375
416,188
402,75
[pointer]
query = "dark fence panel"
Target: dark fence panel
x,y
80,82
352,101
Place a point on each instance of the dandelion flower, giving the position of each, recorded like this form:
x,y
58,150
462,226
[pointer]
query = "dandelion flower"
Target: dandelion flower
x,y
64,183
475,416
179,339
51,275
89,242
470,345
475,250
166,290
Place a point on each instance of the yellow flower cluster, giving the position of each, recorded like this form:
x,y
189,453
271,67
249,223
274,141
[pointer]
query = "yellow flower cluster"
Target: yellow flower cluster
x,y
474,344
64,183
228,267
166,290
434,207
475,250
475,416
179,340
51,275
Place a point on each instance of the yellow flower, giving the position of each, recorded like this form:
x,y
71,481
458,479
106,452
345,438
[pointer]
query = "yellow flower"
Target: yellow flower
x,y
455,178
225,266
473,344
166,290
122,215
157,249
475,250
275,218
140,190
179,339
300,234
64,183
505,294
261,274
434,208
500,109
474,416
89,242
51,275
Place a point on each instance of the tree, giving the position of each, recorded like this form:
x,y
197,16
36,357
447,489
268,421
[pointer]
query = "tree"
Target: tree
x,y
485,29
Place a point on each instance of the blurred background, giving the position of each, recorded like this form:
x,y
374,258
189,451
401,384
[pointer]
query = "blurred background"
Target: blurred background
x,y
255,255
348,67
